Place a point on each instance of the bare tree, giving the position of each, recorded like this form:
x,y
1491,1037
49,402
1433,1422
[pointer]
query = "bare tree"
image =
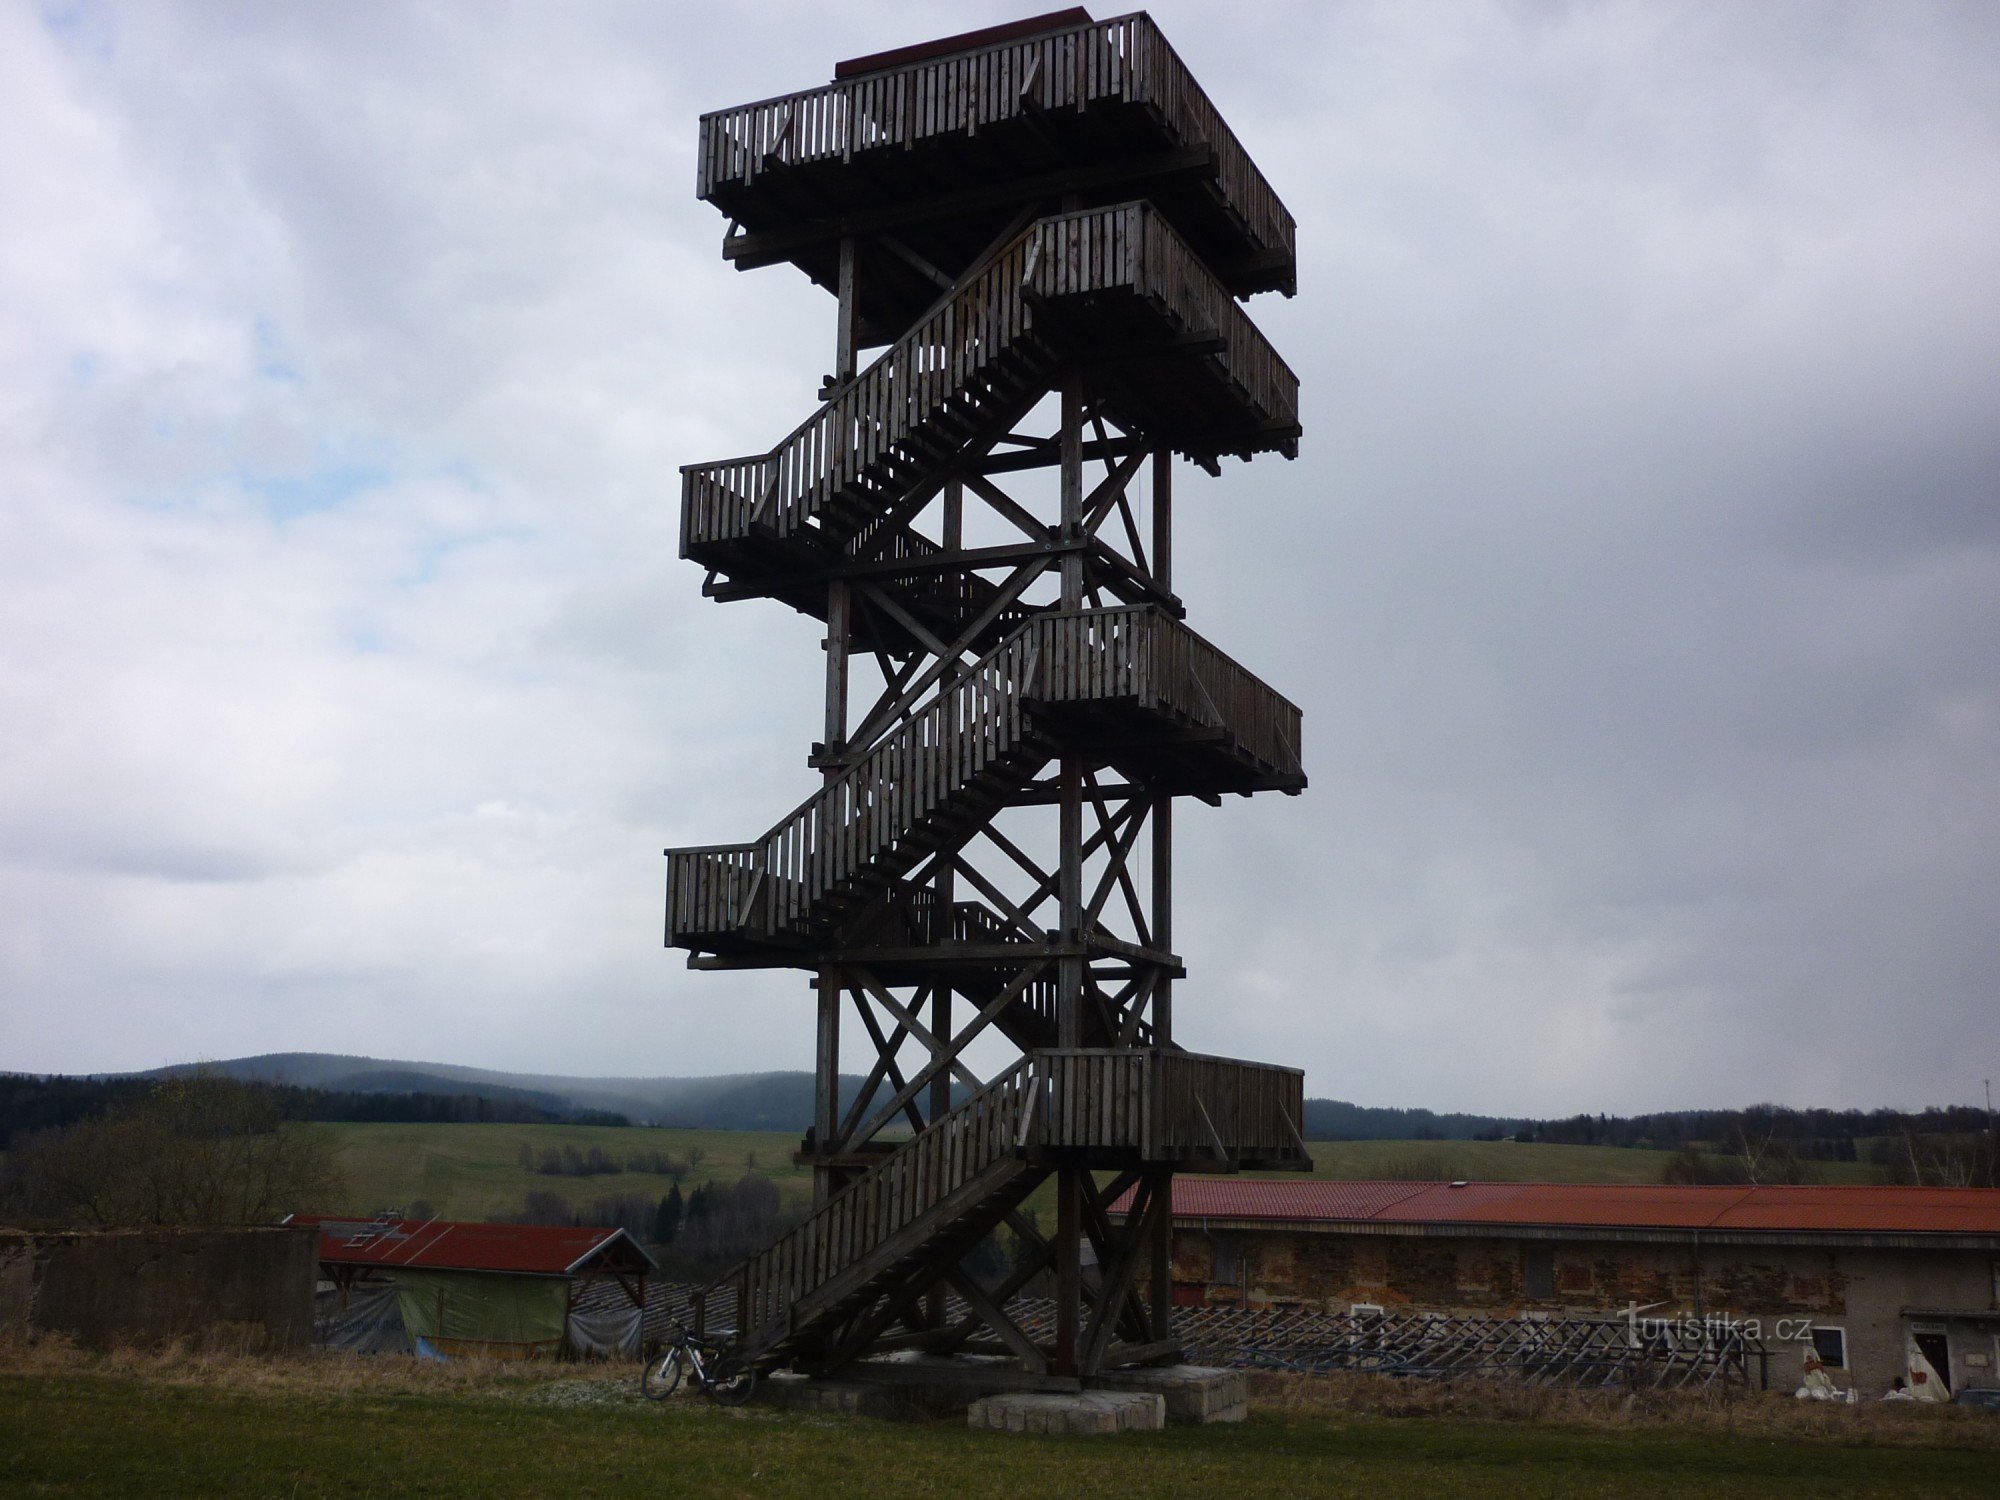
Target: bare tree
x,y
198,1149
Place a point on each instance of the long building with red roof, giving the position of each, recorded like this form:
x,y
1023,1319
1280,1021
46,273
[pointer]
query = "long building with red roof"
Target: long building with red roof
x,y
1875,1284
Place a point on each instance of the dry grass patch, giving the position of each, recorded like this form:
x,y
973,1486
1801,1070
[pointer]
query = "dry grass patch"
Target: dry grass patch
x,y
316,1372
1724,1411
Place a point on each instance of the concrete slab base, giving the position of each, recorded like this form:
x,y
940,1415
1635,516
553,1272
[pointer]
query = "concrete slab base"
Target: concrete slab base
x,y
1066,1413
936,1387
1194,1393
853,1398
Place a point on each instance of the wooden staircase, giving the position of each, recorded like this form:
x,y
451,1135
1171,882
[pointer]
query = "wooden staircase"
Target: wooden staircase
x,y
936,778
881,446
880,1237
877,1243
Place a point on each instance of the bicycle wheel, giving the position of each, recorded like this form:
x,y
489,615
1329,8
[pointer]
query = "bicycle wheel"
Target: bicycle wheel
x,y
733,1383
662,1375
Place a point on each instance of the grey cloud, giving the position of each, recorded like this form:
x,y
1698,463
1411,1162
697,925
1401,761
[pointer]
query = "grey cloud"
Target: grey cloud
x,y
1636,578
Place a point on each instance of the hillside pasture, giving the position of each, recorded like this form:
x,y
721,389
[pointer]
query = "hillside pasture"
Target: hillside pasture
x,y
474,1172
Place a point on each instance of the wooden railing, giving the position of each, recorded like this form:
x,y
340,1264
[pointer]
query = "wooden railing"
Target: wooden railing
x,y
1241,1111
1162,1106
851,822
1170,1106
1124,60
1133,654
1140,653
888,1199
1126,247
853,432
1132,245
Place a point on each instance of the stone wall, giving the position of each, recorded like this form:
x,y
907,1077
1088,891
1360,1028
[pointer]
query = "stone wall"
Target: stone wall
x,y
1863,1292
247,1288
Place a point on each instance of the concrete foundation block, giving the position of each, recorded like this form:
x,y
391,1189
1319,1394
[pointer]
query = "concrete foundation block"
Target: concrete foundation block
x,y
1193,1393
1080,1413
848,1398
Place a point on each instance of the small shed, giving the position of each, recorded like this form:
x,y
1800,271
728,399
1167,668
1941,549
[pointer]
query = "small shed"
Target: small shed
x,y
440,1288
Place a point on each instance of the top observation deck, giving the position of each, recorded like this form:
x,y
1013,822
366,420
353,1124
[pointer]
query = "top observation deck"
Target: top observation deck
x,y
925,155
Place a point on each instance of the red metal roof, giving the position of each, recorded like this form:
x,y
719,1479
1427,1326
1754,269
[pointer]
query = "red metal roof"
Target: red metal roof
x,y
1809,1210
442,1245
964,41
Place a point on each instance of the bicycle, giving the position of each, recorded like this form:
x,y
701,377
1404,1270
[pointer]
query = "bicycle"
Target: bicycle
x,y
723,1378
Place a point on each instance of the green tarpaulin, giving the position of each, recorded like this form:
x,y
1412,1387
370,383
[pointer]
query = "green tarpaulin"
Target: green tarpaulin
x,y
484,1314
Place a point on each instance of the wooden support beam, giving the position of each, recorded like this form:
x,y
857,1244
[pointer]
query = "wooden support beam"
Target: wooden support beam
x,y
769,247
834,742
843,342
881,721
1070,1187
885,1053
897,569
995,1318
826,1075
1117,1276
948,1056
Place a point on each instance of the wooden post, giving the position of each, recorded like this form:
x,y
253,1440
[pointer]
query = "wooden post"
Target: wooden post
x,y
844,363
940,1105
839,603
1070,968
1163,914
1161,1270
1071,1183
826,1082
1072,486
1163,519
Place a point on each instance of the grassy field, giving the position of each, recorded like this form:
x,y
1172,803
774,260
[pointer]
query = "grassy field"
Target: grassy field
x,y
379,1431
474,1171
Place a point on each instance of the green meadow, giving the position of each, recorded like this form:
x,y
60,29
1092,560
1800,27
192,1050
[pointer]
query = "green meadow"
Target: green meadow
x,y
297,1434
475,1171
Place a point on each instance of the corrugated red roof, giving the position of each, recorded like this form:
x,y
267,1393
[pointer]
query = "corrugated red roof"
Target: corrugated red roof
x,y
1816,1209
442,1245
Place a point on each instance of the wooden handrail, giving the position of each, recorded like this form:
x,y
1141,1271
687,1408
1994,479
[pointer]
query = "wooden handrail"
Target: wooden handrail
x,y
1122,60
1131,653
1152,1102
925,1171
958,343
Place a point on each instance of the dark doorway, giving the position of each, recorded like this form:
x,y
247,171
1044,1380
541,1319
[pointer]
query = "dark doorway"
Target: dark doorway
x,y
1937,1349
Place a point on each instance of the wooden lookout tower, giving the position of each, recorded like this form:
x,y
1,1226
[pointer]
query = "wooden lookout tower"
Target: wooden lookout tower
x,y
1038,238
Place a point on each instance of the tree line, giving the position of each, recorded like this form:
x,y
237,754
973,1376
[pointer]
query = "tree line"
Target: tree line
x,y
191,1149
29,1102
694,1235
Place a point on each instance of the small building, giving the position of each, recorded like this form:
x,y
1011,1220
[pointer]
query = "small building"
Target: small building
x,y
1871,1283
509,1291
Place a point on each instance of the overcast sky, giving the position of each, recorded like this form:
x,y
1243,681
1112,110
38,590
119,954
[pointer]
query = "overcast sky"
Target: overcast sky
x,y
1639,576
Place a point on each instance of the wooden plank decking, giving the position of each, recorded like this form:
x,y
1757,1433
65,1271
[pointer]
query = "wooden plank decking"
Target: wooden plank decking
x,y
1118,80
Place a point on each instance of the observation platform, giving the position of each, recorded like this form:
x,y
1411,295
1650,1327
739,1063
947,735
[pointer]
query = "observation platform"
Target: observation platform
x,y
923,155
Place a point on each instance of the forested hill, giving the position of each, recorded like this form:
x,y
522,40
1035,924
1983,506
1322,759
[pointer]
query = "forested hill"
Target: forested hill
x,y
741,1101
782,1101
